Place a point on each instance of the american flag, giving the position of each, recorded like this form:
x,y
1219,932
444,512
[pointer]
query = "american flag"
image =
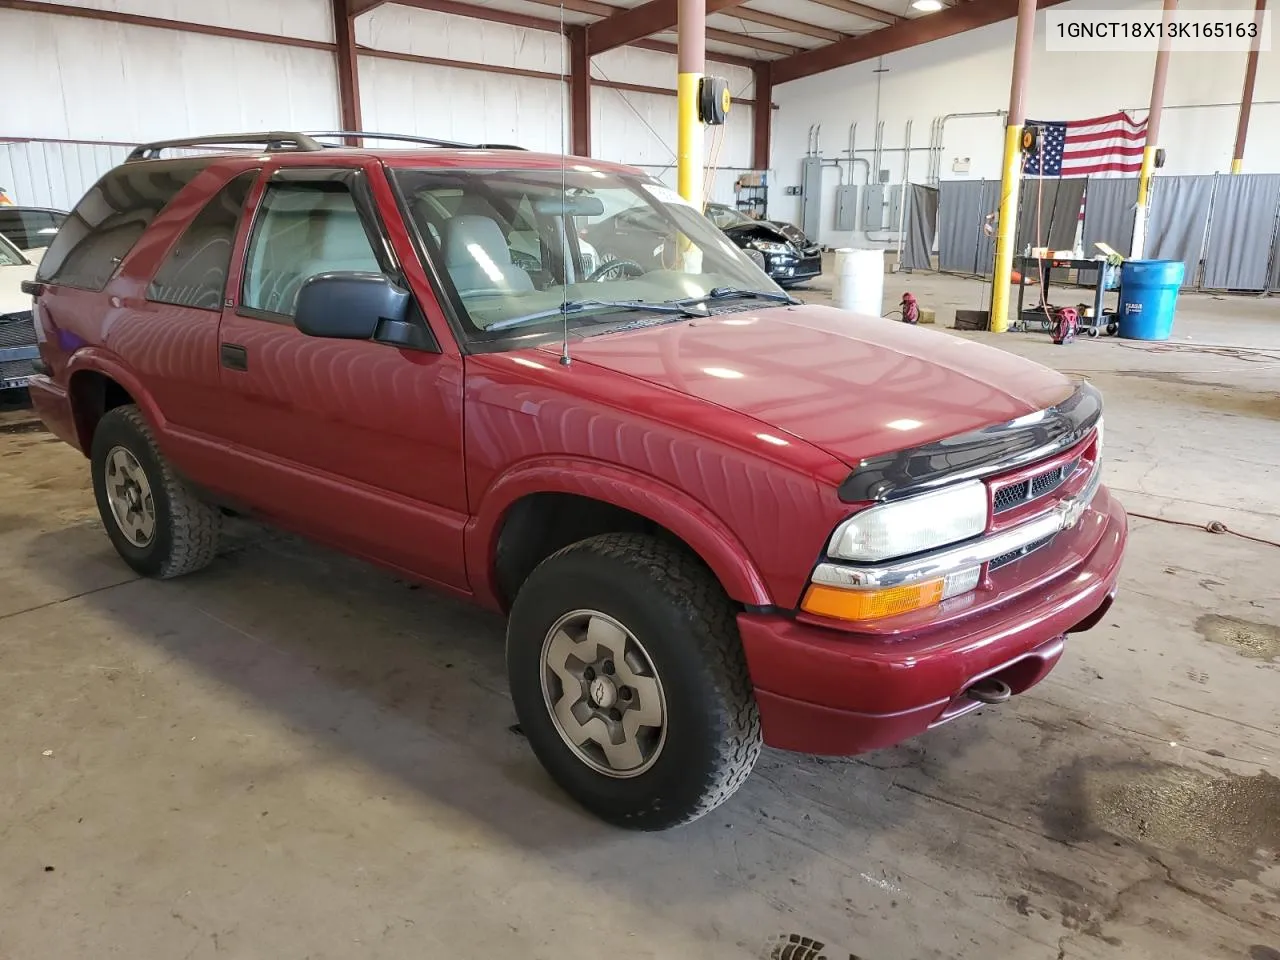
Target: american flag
x,y
1085,148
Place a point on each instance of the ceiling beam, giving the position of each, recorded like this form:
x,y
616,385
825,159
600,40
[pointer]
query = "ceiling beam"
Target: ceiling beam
x,y
159,23
901,36
364,6
860,10
785,23
459,9
597,9
750,42
627,26
670,48
476,12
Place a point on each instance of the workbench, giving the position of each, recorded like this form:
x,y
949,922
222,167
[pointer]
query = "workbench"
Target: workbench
x,y
1044,267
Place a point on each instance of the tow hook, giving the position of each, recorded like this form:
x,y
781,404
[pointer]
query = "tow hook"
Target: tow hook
x,y
990,690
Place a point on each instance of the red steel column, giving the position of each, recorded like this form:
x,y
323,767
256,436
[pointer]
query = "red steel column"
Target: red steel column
x,y
762,117
579,93
344,35
1153,137
1246,97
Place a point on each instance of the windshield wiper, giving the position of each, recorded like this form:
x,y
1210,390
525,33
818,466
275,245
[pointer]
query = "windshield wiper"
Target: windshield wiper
x,y
722,293
571,307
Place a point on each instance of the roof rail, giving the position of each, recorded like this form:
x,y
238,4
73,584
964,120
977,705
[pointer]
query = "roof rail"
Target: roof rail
x,y
408,138
273,141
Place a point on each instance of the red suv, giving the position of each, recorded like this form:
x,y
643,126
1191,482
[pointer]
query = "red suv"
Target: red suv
x,y
715,516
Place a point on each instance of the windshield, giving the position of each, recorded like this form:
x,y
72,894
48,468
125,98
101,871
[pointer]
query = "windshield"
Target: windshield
x,y
726,217
515,245
10,256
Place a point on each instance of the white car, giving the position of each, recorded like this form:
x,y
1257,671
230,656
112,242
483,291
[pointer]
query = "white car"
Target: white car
x,y
18,347
30,229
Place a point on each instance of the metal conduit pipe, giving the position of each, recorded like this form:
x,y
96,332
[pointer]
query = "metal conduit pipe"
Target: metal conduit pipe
x,y
853,158
942,128
902,199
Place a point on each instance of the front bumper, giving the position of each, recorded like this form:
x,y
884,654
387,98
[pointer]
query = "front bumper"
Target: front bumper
x,y
827,692
788,267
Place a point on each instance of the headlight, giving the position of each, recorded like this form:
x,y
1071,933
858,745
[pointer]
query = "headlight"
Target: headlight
x,y
912,525
768,246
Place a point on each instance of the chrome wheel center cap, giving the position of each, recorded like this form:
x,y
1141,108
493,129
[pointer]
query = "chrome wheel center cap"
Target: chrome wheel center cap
x,y
603,693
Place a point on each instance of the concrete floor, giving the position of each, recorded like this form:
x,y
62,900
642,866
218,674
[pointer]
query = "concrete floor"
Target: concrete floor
x,y
291,755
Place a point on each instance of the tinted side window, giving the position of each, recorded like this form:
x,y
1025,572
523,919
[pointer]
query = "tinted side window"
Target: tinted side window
x,y
194,274
303,228
108,221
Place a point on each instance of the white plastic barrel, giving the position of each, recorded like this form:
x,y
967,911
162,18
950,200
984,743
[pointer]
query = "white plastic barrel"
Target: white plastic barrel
x,y
859,283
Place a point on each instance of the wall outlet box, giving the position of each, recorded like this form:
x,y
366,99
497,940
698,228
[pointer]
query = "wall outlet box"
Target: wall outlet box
x,y
792,191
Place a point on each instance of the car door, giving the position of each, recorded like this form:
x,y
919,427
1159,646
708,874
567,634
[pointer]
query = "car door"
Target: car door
x,y
355,443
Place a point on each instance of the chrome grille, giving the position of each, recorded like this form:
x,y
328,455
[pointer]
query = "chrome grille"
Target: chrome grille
x,y
1007,558
17,330
1024,491
15,373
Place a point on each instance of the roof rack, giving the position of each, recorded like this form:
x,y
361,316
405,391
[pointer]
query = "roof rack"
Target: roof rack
x,y
407,138
272,141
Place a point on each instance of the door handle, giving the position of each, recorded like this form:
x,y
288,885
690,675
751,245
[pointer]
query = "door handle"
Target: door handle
x,y
234,356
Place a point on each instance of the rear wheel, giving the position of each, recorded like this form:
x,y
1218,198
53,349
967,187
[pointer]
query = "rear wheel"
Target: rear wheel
x,y
629,680
155,521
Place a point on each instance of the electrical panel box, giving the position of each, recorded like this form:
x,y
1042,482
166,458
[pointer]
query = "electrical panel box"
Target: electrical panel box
x,y
811,196
873,207
895,208
847,208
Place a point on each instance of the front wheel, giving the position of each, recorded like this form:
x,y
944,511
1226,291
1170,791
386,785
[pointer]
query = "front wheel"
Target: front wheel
x,y
156,522
629,681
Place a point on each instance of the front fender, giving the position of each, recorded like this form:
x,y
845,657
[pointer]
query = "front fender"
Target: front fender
x,y
659,502
99,360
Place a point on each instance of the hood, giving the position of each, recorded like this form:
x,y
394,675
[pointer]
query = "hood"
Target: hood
x,y
12,299
853,386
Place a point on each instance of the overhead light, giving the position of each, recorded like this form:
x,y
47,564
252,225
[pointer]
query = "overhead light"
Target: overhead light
x,y
927,6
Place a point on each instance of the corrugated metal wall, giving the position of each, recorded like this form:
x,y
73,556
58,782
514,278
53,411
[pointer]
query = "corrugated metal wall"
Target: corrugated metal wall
x,y
54,174
106,84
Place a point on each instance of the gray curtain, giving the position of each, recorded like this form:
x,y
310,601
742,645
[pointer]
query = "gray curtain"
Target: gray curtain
x,y
1177,220
1275,264
1109,209
960,212
1059,215
1237,254
986,256
922,227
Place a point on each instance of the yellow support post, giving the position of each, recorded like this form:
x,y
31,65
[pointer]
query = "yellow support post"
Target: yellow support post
x,y
689,139
1010,178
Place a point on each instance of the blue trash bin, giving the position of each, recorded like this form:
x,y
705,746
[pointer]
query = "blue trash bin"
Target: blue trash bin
x,y
1148,297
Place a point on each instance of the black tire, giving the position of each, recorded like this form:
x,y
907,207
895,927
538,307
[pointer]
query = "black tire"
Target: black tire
x,y
677,610
187,530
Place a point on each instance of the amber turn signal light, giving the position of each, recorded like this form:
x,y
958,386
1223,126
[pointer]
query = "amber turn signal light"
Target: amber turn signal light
x,y
870,604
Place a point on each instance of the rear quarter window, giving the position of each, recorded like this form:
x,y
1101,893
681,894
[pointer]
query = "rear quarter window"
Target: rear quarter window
x,y
110,219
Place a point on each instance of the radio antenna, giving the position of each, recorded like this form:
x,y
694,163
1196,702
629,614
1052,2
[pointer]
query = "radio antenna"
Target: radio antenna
x,y
565,359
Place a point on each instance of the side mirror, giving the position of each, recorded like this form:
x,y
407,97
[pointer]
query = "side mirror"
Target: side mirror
x,y
349,305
